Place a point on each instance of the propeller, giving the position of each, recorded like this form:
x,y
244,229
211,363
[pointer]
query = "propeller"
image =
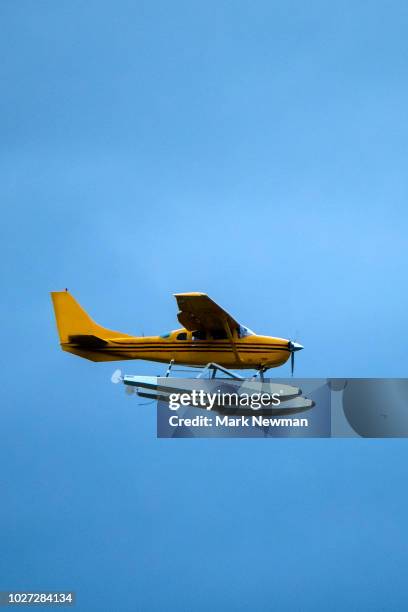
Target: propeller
x,y
293,347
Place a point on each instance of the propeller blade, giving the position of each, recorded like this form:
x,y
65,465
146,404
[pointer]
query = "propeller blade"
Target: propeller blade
x,y
292,362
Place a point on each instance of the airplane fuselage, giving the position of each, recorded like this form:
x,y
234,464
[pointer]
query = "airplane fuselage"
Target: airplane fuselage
x,y
183,348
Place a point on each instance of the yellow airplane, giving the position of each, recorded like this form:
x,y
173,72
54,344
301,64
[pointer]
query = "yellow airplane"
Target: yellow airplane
x,y
209,336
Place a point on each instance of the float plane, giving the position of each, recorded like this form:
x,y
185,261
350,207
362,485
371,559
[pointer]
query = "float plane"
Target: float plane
x,y
209,336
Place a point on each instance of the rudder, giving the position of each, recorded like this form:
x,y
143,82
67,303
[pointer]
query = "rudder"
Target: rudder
x,y
73,320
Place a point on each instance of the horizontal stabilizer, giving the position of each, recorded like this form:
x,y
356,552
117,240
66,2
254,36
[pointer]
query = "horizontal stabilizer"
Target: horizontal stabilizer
x,y
88,341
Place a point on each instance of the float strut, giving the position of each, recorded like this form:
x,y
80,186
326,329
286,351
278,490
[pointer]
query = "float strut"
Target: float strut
x,y
169,368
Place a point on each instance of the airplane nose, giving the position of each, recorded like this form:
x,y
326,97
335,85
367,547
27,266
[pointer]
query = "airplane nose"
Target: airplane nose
x,y
295,346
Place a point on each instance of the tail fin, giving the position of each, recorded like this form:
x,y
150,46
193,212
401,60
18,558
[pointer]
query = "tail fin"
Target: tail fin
x,y
72,320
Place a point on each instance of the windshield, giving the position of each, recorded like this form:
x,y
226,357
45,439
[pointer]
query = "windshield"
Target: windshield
x,y
243,331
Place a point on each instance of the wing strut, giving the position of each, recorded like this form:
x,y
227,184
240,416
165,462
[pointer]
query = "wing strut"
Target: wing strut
x,y
231,339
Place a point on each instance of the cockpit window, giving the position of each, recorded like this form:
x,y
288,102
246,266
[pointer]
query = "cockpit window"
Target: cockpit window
x,y
165,335
199,335
182,336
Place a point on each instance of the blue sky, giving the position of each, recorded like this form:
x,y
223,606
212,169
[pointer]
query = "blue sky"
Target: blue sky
x,y
255,151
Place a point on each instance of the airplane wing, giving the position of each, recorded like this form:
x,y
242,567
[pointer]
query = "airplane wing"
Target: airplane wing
x,y
199,312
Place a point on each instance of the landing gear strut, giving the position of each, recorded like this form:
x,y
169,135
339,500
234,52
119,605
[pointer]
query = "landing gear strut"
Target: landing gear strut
x,y
261,372
214,367
169,368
